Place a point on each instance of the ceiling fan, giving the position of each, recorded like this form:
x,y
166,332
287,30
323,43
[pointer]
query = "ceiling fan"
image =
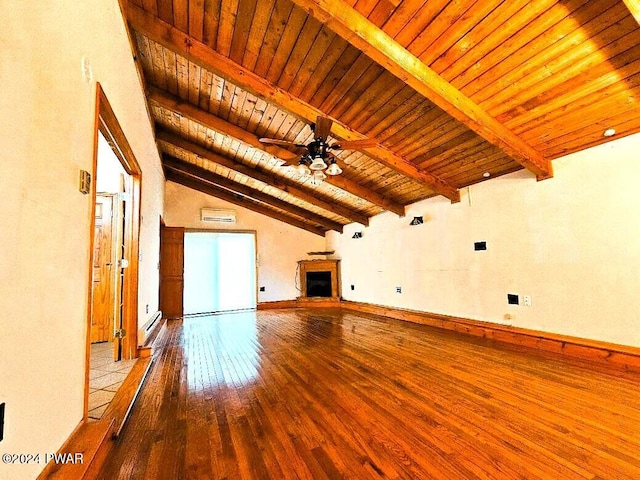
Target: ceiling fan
x,y
317,159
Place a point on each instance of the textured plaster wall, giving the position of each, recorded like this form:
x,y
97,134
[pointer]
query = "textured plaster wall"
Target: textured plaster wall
x,y
280,245
48,110
571,243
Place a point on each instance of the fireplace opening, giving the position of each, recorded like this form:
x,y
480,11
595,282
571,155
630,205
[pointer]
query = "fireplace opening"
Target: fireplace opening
x,y
318,284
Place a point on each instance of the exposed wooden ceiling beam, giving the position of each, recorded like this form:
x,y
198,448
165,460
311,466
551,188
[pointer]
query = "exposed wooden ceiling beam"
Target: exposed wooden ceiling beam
x,y
356,29
175,104
634,8
191,182
306,194
209,177
208,120
199,53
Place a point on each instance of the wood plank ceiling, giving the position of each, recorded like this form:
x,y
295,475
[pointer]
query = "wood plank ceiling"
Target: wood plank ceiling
x,y
451,91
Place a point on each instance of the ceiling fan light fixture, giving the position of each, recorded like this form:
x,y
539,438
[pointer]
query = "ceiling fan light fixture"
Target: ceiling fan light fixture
x,y
318,177
318,157
318,163
334,168
302,169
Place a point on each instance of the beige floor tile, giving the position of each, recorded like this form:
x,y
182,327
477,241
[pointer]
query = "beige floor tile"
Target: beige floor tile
x,y
107,380
96,413
93,374
99,398
105,377
102,363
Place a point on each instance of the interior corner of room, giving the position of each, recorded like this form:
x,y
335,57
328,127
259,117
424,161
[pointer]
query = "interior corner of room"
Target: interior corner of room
x,y
258,205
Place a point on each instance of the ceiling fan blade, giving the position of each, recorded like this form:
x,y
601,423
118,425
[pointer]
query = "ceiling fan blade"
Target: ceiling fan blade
x,y
323,127
290,162
294,157
354,144
284,143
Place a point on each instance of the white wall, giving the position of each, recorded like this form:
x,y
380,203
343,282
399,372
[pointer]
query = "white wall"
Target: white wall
x,y
109,170
280,245
47,136
572,243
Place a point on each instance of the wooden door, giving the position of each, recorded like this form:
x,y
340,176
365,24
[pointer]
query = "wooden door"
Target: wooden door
x,y
102,315
171,271
119,254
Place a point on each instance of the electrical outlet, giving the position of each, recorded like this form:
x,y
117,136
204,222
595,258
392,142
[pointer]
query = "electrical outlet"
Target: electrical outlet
x,y
526,300
477,246
398,289
262,289
147,308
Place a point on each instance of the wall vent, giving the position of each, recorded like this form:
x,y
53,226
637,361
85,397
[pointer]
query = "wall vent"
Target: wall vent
x,y
213,215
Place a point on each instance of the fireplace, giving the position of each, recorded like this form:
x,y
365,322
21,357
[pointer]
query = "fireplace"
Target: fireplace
x,y
320,279
318,284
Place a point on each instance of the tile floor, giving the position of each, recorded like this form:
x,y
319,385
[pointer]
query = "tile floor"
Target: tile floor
x,y
105,377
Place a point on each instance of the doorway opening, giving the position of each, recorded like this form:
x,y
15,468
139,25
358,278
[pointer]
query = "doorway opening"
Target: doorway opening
x,y
219,272
113,186
113,293
107,371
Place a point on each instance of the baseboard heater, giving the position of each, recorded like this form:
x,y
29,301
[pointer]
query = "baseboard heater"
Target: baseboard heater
x,y
151,324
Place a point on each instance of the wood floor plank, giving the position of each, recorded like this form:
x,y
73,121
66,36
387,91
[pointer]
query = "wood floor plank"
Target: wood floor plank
x,y
330,394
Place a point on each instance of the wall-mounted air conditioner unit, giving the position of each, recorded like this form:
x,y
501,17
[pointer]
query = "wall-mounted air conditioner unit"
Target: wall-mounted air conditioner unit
x,y
214,215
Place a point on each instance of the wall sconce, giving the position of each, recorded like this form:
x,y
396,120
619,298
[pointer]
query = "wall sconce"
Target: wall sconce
x,y
417,221
357,235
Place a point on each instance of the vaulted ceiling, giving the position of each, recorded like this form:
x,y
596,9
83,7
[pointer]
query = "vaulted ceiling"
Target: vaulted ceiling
x,y
451,92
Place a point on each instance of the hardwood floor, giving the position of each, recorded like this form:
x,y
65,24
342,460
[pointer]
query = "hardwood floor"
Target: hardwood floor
x,y
327,394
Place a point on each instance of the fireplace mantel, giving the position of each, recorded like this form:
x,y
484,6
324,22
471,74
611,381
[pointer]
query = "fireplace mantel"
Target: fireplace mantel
x,y
332,266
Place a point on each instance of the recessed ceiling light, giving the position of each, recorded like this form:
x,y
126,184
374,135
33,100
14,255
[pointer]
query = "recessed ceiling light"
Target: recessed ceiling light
x,y
609,132
486,174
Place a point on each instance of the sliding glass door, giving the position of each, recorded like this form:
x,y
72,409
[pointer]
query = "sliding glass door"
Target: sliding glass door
x,y
219,272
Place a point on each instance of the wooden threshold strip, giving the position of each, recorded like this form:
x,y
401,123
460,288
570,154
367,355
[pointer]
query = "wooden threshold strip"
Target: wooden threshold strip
x,y
94,439
121,405
619,356
86,439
